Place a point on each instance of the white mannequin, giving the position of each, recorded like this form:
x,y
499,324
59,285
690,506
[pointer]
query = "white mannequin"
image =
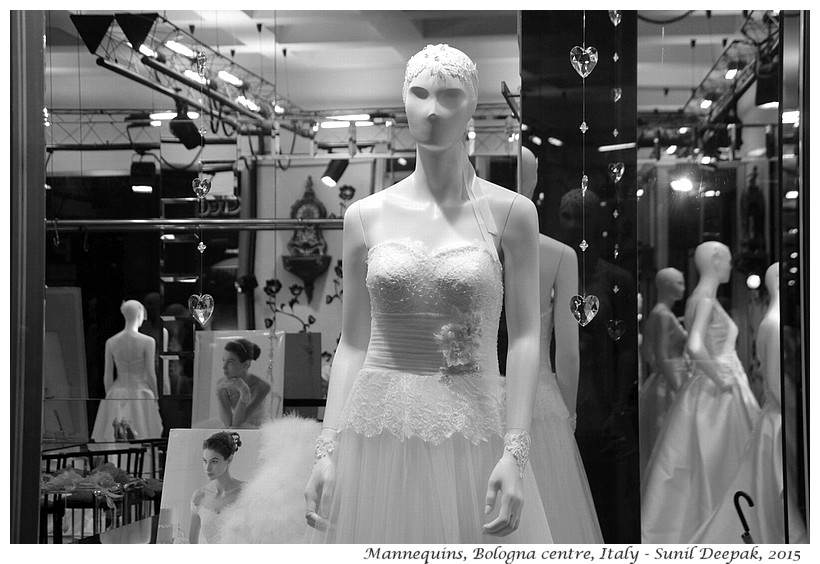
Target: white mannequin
x,y
662,323
714,263
432,206
768,335
559,282
556,462
130,406
130,339
663,348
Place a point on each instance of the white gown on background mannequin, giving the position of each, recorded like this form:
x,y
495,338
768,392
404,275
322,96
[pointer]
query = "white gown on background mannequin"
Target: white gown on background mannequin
x,y
129,398
210,528
657,393
556,462
761,476
423,425
698,451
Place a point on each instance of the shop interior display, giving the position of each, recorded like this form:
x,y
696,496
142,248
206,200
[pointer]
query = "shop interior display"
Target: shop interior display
x,y
287,208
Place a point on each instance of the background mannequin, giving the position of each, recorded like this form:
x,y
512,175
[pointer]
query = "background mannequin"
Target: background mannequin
x,y
760,472
663,348
555,459
130,409
698,451
430,248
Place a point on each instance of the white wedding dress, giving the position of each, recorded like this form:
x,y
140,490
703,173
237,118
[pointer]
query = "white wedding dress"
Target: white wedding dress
x,y
423,425
698,451
131,397
555,459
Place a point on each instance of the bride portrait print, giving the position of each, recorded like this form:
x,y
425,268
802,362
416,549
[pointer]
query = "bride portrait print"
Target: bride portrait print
x,y
239,379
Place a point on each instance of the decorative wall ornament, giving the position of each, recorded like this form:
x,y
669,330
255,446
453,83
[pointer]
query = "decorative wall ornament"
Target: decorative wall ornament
x,y
308,258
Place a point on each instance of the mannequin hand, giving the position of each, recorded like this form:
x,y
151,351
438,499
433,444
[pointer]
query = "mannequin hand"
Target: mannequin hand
x,y
321,483
507,480
728,385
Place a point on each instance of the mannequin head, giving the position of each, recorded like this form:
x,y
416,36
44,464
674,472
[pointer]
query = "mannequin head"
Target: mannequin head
x,y
529,172
133,312
440,94
578,214
670,284
713,258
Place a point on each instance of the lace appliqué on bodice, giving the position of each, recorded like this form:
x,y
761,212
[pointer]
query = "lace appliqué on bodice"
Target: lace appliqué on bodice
x,y
431,368
210,523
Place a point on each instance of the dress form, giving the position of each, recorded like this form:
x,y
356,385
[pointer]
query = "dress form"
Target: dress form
x,y
439,213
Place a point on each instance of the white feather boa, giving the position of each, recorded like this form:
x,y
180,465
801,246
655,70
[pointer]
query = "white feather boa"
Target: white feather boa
x,y
271,507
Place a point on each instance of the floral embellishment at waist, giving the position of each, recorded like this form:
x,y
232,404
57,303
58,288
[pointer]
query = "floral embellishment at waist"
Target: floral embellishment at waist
x,y
459,343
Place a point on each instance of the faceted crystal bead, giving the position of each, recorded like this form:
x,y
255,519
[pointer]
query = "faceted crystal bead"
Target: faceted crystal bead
x,y
201,247
615,214
584,127
616,289
615,132
584,246
584,183
615,57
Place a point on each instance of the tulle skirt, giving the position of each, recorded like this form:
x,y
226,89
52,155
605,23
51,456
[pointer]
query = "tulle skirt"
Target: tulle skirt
x,y
559,470
391,490
761,476
696,455
136,404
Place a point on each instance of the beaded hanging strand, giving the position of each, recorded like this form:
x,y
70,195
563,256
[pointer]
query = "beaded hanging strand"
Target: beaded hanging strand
x,y
583,59
201,305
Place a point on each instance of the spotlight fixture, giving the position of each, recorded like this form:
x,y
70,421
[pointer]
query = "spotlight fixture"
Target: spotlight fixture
x,y
245,284
230,79
731,70
143,176
334,171
136,28
184,128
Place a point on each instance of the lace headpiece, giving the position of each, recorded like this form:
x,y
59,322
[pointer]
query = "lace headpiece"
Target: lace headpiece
x,y
442,60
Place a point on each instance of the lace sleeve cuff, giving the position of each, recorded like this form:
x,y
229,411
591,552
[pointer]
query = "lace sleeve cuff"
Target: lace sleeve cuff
x,y
324,448
518,444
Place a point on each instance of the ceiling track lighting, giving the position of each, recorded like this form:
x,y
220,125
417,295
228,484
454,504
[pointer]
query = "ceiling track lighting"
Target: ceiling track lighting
x,y
334,171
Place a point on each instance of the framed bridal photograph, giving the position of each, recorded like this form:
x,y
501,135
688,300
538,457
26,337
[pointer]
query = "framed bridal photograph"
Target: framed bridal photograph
x,y
238,378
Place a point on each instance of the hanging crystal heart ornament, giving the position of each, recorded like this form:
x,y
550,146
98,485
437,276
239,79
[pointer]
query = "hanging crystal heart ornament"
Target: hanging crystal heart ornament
x,y
615,17
201,186
616,94
583,60
584,308
616,171
201,307
616,328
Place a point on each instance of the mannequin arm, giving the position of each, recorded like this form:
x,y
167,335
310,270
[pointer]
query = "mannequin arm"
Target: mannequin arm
x,y
347,361
166,381
108,376
696,347
355,335
661,353
567,352
768,350
521,289
150,362
519,241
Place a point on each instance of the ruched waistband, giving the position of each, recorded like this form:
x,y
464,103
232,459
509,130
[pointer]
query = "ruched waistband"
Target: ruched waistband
x,y
405,342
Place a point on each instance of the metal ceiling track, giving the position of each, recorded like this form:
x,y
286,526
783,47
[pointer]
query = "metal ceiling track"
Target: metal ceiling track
x,y
135,45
